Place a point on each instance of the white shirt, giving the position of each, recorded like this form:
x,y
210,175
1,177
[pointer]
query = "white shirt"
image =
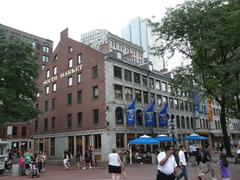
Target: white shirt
x,y
168,167
113,159
182,158
238,151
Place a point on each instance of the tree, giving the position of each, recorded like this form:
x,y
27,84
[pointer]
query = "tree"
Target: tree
x,y
18,74
208,33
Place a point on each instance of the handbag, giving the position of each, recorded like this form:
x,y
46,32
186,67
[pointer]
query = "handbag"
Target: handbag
x,y
124,174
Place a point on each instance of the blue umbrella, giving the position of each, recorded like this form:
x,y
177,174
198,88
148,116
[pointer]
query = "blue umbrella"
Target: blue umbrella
x,y
144,140
164,138
195,137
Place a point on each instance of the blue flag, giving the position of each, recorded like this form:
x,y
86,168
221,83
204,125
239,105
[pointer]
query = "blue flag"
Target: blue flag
x,y
131,113
197,105
149,115
163,116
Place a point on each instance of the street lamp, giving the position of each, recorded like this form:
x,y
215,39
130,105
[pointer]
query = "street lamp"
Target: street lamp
x,y
172,129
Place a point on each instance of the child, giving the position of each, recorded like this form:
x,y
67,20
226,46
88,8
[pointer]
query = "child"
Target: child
x,y
223,164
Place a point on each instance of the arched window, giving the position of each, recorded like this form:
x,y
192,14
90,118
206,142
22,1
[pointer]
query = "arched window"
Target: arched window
x,y
178,122
139,117
119,116
183,122
192,123
188,122
216,124
203,123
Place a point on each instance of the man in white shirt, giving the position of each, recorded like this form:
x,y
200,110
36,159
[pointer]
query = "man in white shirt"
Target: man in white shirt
x,y
182,163
166,164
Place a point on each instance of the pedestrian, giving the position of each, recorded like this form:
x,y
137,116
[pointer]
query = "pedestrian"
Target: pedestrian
x,y
22,166
224,170
238,154
182,163
78,159
166,164
65,161
207,157
44,158
115,163
88,158
199,163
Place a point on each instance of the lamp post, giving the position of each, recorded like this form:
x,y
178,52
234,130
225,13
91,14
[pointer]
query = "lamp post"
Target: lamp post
x,y
172,130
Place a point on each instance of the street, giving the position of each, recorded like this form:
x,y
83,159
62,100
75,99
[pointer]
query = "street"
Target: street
x,y
134,172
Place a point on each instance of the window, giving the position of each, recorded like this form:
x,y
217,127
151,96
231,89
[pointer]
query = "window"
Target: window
x,y
24,131
46,49
46,106
36,125
136,78
182,122
53,104
117,72
157,85
118,91
139,117
127,75
79,97
33,45
70,63
186,105
164,86
176,104
69,120
69,99
128,93
95,92
171,103
145,97
138,95
97,141
70,81
151,83
159,100
47,73
181,105
79,59
53,122
55,70
55,57
70,49
120,140
95,116
47,90
94,72
54,87
144,81
14,130
79,78
119,116
187,123
165,99
52,146
79,119
169,89
45,124
45,58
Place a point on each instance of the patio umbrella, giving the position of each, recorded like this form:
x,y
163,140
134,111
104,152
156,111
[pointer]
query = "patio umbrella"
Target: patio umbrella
x,y
164,138
144,140
195,137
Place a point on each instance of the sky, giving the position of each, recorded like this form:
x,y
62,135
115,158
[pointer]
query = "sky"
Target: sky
x,y
47,18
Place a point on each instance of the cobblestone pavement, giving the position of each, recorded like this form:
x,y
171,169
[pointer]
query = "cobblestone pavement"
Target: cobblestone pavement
x,y
134,171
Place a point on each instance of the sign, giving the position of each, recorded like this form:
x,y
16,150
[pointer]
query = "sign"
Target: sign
x,y
62,75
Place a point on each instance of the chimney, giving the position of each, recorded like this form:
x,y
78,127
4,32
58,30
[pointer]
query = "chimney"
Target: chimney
x,y
64,34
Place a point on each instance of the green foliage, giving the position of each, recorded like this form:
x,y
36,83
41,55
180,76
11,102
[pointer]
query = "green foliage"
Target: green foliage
x,y
208,33
18,74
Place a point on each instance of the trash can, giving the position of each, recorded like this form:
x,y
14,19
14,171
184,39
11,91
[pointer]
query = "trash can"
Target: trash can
x,y
154,159
15,169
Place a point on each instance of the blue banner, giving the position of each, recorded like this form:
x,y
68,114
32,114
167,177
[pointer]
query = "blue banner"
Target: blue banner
x,y
163,116
131,113
197,104
149,115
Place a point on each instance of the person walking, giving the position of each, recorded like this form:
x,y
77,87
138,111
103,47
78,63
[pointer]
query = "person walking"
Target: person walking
x,y
88,158
78,159
224,170
166,164
114,165
199,163
182,164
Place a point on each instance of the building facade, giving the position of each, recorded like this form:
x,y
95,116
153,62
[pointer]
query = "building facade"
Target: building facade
x,y
18,134
139,31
